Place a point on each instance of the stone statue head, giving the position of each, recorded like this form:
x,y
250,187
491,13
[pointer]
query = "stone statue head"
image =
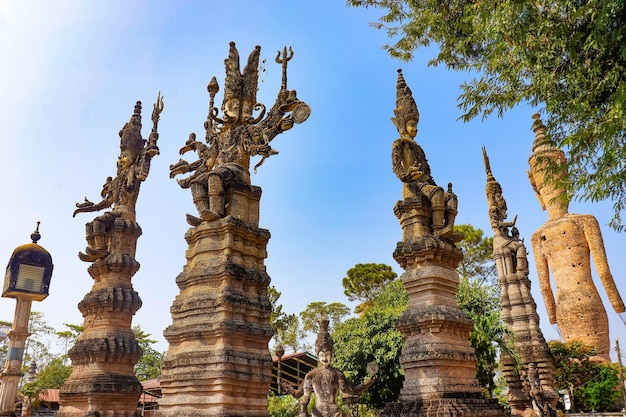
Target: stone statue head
x,y
323,343
406,114
547,160
240,87
131,142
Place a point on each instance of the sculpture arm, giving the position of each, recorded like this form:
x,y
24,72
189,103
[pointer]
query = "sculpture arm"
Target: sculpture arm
x,y
346,386
543,274
396,163
143,167
306,398
593,235
88,206
295,393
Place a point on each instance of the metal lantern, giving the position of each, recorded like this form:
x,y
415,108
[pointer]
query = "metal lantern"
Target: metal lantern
x,y
29,271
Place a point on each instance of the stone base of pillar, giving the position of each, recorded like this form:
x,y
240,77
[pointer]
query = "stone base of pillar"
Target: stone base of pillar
x,y
218,363
465,407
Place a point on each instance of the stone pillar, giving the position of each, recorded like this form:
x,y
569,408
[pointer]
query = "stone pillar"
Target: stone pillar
x,y
12,368
103,381
519,313
218,362
531,382
437,358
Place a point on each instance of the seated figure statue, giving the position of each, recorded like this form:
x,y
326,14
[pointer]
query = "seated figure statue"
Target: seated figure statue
x,y
327,382
411,166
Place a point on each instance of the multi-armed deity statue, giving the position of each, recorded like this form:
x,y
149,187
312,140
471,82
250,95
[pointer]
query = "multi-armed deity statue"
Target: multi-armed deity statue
x,y
437,358
563,245
218,363
103,381
531,383
327,382
224,160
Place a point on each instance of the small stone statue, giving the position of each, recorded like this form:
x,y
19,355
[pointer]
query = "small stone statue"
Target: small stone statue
x,y
121,192
411,166
224,161
327,382
509,250
563,245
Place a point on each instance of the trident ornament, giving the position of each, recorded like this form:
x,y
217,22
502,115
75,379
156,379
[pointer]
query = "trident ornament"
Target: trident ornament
x,y
285,58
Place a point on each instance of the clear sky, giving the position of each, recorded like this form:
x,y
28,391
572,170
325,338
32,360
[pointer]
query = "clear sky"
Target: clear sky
x,y
71,73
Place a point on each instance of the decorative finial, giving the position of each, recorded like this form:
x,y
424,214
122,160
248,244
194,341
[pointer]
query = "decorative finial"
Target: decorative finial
x,y
157,108
406,109
35,236
541,140
284,60
137,111
130,134
490,176
241,85
493,186
279,351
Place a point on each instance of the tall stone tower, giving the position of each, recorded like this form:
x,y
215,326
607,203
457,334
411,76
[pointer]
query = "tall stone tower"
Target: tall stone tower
x,y
103,380
437,358
531,382
218,362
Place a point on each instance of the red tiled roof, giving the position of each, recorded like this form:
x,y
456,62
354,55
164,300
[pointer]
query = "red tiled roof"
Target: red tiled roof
x,y
50,395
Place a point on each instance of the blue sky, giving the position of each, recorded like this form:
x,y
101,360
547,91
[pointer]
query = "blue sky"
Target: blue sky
x,y
71,73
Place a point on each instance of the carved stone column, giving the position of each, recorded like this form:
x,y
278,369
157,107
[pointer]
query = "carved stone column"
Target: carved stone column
x,y
103,380
531,383
437,358
218,362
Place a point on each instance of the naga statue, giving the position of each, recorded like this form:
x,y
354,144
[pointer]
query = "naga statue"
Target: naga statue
x,y
121,192
224,158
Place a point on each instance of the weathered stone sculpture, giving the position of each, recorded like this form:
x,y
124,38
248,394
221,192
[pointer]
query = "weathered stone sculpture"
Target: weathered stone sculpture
x,y
437,358
526,396
103,381
327,382
218,363
410,165
563,245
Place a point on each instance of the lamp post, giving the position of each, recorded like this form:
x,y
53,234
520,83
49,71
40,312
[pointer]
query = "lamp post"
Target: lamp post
x,y
27,279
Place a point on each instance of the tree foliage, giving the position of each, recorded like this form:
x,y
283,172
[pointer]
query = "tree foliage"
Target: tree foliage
x,y
477,262
565,56
602,392
595,386
317,310
149,365
490,336
53,375
70,336
287,329
373,337
38,343
282,406
364,282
